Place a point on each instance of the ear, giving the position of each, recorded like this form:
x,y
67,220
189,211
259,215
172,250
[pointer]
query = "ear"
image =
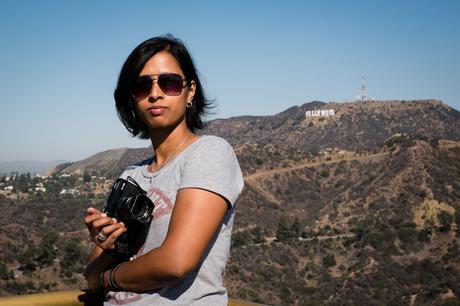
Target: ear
x,y
191,91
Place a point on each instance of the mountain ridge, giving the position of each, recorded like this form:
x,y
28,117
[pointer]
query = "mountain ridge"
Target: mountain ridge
x,y
375,120
354,126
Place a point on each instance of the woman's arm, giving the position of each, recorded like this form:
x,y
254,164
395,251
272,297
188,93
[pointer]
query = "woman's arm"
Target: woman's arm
x,y
196,217
96,266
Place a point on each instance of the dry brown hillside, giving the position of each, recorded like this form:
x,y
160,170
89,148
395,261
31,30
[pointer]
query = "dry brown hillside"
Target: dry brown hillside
x,y
362,207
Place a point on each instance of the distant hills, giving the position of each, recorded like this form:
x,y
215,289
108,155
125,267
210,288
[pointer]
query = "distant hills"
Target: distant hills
x,y
32,167
109,163
354,126
359,125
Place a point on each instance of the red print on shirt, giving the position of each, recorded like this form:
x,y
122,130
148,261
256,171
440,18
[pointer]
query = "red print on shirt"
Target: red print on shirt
x,y
163,204
122,298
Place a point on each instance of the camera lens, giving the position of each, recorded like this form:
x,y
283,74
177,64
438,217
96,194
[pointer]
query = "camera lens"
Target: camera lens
x,y
138,208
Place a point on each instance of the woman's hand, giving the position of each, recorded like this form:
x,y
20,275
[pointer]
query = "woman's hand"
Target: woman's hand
x,y
107,228
104,230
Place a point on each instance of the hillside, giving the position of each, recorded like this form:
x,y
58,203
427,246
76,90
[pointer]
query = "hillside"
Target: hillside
x,y
384,224
354,126
108,163
362,207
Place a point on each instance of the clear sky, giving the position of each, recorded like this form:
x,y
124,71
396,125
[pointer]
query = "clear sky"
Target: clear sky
x,y
59,61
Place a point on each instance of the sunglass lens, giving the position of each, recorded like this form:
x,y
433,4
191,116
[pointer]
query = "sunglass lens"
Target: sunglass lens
x,y
170,84
142,88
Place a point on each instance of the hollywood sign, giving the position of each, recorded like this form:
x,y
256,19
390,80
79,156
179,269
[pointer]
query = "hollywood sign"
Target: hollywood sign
x,y
320,113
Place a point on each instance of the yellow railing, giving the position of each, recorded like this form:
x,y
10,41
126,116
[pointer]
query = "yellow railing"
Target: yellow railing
x,y
63,298
66,298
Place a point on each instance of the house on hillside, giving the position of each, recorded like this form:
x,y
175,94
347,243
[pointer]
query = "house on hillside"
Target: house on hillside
x,y
68,191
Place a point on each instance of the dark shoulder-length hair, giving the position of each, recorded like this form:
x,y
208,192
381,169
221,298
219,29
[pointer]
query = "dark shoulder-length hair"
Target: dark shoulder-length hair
x,y
131,70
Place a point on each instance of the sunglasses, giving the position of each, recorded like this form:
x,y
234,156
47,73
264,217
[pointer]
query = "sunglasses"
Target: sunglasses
x,y
170,83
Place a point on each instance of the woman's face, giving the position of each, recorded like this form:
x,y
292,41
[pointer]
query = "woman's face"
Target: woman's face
x,y
158,110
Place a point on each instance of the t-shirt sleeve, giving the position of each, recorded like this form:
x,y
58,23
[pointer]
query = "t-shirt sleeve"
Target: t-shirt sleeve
x,y
213,166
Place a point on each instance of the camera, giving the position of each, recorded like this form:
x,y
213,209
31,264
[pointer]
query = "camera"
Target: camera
x,y
128,203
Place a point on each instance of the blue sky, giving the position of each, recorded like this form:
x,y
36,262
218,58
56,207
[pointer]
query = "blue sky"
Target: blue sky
x,y
60,60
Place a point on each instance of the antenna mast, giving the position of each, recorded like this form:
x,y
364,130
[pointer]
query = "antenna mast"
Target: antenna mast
x,y
363,96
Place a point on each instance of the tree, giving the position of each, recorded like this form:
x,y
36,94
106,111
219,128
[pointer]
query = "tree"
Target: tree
x,y
283,232
46,250
41,255
46,256
314,149
28,256
49,239
257,234
22,184
86,177
329,261
4,271
241,238
73,253
296,228
445,219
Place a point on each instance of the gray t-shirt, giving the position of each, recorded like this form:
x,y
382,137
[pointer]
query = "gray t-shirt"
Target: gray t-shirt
x,y
208,163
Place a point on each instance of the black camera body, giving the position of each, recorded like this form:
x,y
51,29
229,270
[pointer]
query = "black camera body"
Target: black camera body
x,y
128,203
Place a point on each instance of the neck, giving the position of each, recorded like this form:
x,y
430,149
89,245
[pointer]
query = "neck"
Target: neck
x,y
165,141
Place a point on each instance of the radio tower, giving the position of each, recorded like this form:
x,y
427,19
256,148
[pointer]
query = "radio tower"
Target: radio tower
x,y
363,96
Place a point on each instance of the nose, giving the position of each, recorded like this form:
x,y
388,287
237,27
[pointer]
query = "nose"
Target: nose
x,y
155,92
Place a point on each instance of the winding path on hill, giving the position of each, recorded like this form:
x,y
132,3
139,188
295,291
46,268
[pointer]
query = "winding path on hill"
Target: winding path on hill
x,y
321,237
252,181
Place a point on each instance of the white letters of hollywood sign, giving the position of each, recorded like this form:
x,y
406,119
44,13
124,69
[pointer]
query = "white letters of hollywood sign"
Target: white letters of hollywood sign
x,y
320,113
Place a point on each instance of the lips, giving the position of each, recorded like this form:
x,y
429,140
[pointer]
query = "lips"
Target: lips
x,y
156,110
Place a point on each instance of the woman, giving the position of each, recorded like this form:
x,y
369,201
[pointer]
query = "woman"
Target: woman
x,y
193,181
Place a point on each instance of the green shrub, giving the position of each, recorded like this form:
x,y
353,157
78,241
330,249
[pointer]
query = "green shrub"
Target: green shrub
x,y
445,219
407,234
329,261
72,254
4,274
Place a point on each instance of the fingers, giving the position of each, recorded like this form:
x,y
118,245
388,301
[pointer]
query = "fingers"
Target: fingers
x,y
103,222
99,223
89,219
109,229
95,227
92,210
95,221
119,230
92,215
98,228
112,232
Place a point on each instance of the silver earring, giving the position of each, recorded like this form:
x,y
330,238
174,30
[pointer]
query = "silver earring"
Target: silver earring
x,y
188,104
